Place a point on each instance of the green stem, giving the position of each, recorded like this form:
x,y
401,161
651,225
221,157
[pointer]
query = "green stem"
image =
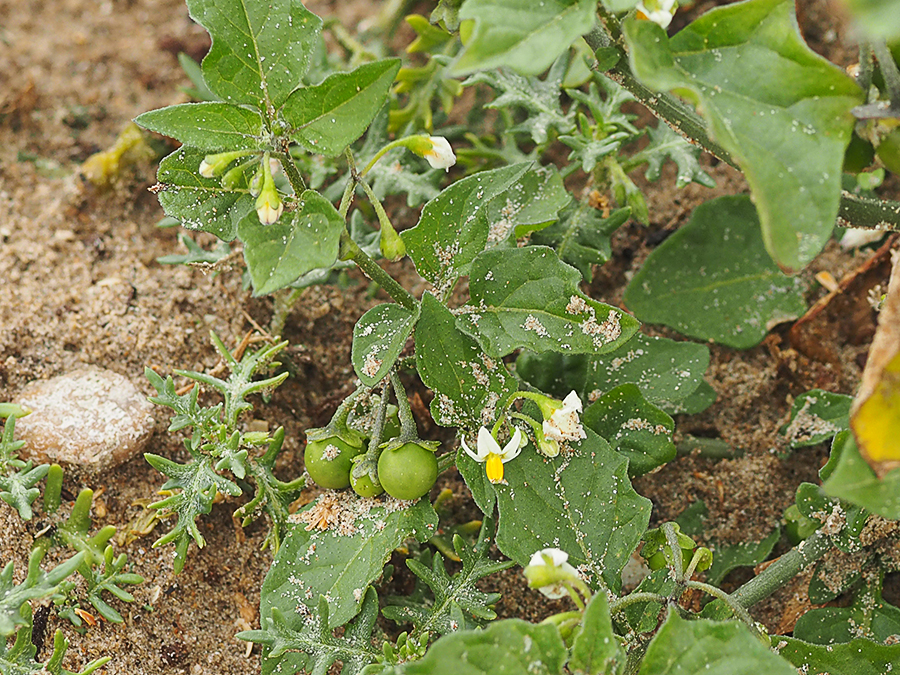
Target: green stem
x,y
672,540
871,214
888,71
378,426
292,172
782,570
739,611
408,430
347,198
621,604
351,251
399,143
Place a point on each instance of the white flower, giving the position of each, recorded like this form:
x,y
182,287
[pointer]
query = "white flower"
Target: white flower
x,y
206,169
564,424
659,12
269,207
440,156
547,570
489,451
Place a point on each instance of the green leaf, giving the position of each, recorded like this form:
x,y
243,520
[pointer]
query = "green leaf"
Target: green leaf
x,y
869,617
337,563
453,227
664,142
312,645
713,280
853,480
816,416
526,297
636,429
508,647
378,338
455,603
209,127
331,115
596,650
683,647
260,50
200,203
530,204
540,98
780,109
468,385
727,557
581,502
813,503
857,657
301,241
581,238
527,38
878,18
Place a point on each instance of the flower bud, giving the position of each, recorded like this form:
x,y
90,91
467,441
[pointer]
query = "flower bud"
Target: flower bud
x,y
548,571
659,12
435,149
268,205
215,165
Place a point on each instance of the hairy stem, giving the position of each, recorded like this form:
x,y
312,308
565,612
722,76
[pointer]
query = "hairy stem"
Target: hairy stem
x,y
351,251
292,173
739,610
782,570
871,214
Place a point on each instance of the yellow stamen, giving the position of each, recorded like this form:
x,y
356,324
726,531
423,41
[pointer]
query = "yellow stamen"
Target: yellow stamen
x,y
494,468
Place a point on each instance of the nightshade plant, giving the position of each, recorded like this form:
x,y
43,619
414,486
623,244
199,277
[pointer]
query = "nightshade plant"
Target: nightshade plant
x,y
557,400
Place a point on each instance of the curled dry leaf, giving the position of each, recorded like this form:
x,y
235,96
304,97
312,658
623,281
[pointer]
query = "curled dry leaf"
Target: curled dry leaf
x,y
875,416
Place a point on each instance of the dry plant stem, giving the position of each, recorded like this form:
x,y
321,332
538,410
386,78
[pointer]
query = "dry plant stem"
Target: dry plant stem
x,y
863,213
782,570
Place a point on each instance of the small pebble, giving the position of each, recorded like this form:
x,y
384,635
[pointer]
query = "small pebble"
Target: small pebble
x,y
90,417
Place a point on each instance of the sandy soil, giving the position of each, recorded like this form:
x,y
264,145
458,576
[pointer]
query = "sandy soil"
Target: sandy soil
x,y
81,285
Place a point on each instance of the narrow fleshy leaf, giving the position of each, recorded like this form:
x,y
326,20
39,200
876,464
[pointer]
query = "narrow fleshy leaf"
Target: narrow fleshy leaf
x,y
780,109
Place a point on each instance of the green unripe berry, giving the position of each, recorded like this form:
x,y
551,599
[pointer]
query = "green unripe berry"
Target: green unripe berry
x,y
328,461
407,472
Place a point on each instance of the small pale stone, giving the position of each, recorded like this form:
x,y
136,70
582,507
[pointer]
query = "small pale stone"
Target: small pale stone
x,y
91,417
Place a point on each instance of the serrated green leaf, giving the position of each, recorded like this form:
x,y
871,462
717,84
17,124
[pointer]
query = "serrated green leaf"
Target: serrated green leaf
x,y
853,480
468,385
540,98
526,297
727,557
508,647
596,650
636,429
303,240
378,338
683,647
209,127
581,238
260,50
664,142
581,502
453,227
816,416
342,561
713,280
879,18
329,116
200,203
527,38
857,657
780,109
